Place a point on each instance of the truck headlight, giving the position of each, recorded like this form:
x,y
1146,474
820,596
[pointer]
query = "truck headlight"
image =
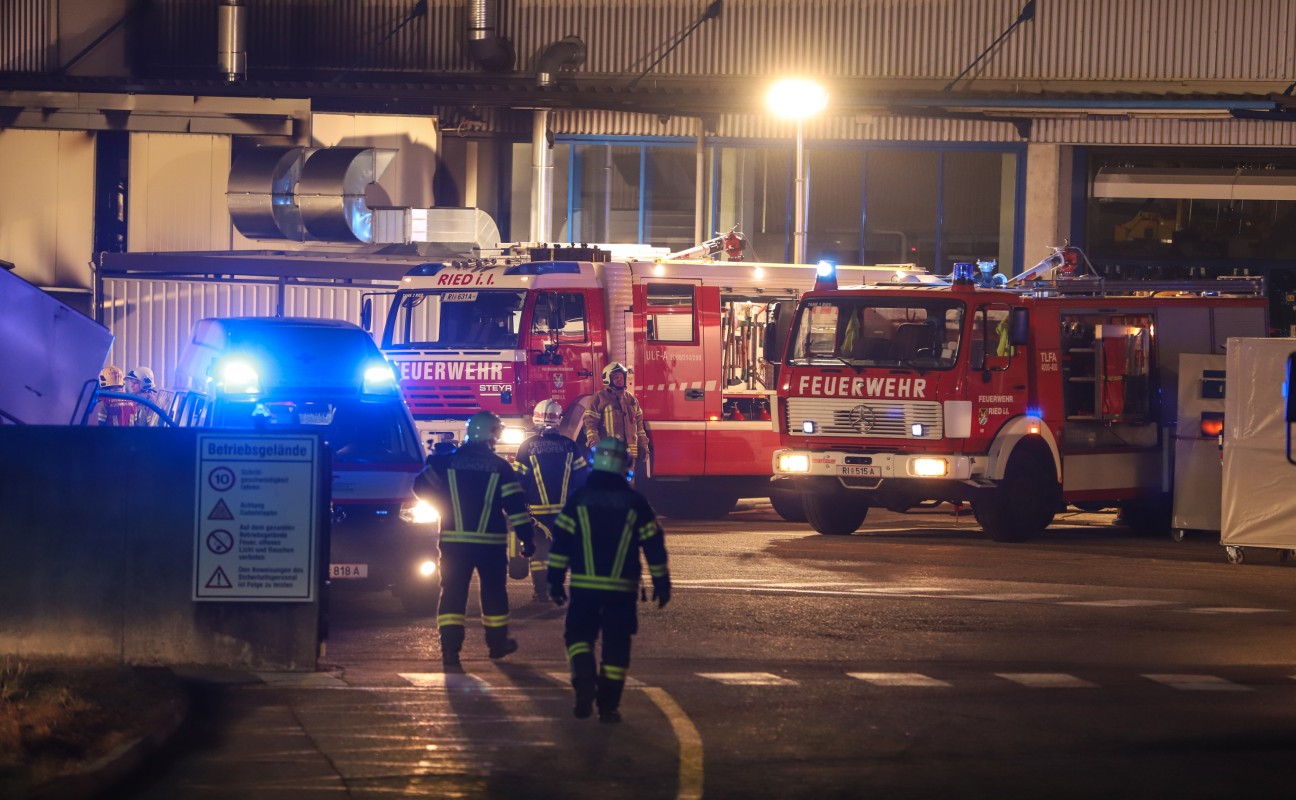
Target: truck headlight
x,y
427,568
420,514
929,467
793,462
513,436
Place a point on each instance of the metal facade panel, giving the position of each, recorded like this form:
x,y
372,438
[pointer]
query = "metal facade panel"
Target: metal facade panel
x,y
1166,132
151,319
27,31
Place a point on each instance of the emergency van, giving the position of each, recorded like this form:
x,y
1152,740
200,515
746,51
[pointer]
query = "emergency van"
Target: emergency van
x,y
503,334
325,375
1018,400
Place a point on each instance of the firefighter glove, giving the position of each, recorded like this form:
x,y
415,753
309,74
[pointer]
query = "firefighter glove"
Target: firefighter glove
x,y
661,590
557,593
528,548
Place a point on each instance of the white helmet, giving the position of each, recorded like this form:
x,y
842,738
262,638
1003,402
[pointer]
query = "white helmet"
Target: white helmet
x,y
547,414
615,366
144,375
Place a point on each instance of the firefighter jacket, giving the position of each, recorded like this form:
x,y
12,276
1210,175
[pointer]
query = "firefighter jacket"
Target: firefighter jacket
x,y
477,494
550,467
616,413
599,535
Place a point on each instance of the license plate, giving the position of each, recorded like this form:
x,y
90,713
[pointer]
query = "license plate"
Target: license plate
x,y
348,571
867,472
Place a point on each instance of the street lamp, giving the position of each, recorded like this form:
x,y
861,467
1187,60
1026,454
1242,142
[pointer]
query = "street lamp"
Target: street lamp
x,y
796,99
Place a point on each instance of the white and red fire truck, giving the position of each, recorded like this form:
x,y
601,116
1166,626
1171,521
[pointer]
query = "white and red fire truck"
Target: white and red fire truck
x,y
503,334
1017,400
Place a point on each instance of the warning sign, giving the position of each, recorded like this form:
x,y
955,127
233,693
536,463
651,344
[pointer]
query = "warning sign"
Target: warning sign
x,y
256,518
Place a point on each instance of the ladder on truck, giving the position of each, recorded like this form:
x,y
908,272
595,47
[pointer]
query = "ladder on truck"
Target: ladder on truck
x,y
1225,286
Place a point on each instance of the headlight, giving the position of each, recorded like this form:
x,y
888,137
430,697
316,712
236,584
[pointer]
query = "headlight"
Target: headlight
x,y
427,568
513,436
420,514
793,462
239,377
929,467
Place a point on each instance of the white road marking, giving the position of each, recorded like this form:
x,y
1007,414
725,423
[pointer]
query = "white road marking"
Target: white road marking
x,y
1199,683
747,678
1230,610
564,678
302,680
1132,603
1008,596
1047,680
898,679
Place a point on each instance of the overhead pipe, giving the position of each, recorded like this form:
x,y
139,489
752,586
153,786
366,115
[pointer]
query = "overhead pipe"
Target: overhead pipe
x,y
485,46
565,54
542,167
231,39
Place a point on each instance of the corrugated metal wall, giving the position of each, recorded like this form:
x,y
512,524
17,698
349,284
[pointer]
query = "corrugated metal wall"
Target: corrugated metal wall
x,y
1068,40
151,318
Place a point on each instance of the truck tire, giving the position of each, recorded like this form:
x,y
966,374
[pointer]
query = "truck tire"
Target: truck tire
x,y
833,516
1025,501
788,505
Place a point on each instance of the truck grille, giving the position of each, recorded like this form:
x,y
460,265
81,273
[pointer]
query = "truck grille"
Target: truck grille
x,y
427,402
867,419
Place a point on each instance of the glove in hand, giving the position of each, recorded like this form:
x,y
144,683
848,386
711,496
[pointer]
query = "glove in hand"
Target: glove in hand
x,y
528,549
557,593
661,590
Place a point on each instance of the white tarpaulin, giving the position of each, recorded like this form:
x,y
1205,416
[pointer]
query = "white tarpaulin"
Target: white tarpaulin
x,y
1259,499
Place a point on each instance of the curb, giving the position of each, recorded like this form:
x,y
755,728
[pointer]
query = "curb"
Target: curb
x,y
105,773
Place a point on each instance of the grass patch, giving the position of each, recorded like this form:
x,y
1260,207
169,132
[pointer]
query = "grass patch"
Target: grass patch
x,y
56,718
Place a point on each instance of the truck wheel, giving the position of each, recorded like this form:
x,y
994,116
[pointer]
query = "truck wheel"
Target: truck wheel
x,y
833,516
1025,501
788,506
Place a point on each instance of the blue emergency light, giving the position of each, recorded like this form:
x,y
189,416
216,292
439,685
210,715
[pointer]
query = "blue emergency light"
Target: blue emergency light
x,y
825,276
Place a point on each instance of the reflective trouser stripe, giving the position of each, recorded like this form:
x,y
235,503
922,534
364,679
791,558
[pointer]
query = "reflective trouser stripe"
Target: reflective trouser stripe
x,y
499,621
579,648
613,673
449,619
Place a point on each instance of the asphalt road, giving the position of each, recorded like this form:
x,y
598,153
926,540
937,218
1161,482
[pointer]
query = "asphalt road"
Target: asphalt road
x,y
915,659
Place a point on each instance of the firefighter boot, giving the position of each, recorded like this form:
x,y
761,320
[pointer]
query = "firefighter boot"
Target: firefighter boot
x,y
452,637
609,699
499,643
584,682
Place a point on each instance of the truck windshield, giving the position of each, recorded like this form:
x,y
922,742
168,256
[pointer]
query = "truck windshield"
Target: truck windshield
x,y
456,319
878,332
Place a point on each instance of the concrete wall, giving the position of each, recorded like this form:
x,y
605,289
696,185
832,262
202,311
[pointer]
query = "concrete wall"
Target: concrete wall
x,y
97,529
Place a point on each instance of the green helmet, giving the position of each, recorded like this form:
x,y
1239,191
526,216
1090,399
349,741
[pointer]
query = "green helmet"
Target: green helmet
x,y
610,455
484,426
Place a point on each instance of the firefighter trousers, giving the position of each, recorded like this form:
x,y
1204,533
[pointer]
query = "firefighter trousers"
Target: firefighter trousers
x,y
458,561
614,615
543,539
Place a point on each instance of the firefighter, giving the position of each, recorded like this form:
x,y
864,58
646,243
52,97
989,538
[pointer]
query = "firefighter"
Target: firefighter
x,y
598,537
112,410
616,413
478,496
139,382
551,467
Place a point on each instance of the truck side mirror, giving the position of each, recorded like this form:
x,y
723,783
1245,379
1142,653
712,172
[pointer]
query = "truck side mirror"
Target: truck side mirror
x,y
1290,397
366,314
777,329
1019,332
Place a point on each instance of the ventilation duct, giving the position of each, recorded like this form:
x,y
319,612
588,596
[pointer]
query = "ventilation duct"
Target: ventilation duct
x,y
566,54
262,190
231,39
486,47
1194,184
297,193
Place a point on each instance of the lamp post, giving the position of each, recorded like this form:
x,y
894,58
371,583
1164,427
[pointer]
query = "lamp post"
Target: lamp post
x,y
796,99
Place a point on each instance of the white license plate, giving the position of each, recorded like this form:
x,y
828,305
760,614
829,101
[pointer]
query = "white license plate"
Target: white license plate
x,y
348,571
867,472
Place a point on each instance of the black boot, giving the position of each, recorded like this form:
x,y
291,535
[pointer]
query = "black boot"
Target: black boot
x,y
452,637
609,699
584,682
498,642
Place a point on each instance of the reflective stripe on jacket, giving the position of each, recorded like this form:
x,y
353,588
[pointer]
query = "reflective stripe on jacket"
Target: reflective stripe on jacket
x,y
477,494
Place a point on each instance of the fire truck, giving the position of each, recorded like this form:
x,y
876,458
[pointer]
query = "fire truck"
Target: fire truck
x,y
501,334
1018,399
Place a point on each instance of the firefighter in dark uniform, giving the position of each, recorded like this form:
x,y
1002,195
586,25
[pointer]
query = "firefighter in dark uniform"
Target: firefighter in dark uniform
x,y
551,467
598,537
478,496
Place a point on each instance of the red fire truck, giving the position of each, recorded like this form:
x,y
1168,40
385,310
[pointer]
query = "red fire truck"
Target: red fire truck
x,y
1017,400
502,334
